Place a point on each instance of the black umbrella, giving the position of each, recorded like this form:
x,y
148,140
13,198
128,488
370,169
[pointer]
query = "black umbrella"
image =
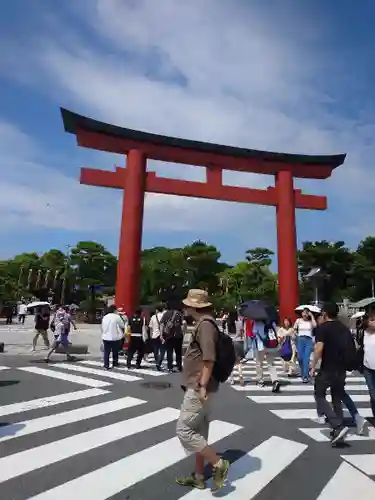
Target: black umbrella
x,y
258,311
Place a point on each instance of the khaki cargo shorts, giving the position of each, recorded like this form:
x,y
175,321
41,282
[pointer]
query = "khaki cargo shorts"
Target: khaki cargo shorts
x,y
193,423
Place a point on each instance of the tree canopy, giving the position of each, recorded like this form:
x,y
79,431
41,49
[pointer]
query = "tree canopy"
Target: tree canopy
x,y
87,271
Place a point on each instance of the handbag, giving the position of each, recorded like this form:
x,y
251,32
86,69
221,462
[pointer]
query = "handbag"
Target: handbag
x,y
286,351
271,341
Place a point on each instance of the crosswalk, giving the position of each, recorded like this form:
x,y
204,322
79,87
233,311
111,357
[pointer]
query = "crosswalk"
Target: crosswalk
x,y
117,443
296,401
90,373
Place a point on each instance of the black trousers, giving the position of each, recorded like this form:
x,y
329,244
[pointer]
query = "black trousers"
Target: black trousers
x,y
136,345
156,347
21,318
170,346
111,346
335,381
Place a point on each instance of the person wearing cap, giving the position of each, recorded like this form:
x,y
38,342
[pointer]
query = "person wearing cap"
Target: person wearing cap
x,y
193,423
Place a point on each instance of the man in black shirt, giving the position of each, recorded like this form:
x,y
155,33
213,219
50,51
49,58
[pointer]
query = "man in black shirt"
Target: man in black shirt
x,y
330,341
136,344
42,318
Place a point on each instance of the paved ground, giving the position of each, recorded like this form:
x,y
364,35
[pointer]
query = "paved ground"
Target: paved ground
x,y
76,431
18,338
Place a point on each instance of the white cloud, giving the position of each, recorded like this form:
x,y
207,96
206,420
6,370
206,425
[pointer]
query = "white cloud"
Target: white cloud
x,y
200,70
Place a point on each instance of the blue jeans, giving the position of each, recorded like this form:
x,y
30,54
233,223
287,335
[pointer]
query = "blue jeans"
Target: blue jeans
x,y
304,349
349,403
370,381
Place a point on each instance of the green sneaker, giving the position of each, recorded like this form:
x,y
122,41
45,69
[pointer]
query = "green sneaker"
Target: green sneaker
x,y
220,474
191,481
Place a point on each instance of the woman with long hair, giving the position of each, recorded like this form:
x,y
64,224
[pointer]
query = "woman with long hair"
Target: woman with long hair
x,y
286,335
304,328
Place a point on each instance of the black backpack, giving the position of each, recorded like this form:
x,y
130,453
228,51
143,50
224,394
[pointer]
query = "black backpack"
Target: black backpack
x,y
172,326
225,355
349,352
136,324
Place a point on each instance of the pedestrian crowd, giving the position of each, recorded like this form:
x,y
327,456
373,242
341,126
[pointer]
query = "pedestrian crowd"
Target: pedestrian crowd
x,y
318,347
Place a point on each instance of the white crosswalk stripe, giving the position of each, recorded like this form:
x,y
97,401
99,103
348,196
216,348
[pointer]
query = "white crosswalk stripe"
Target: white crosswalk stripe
x,y
149,369
130,470
348,483
52,421
249,485
20,463
248,476
91,373
67,377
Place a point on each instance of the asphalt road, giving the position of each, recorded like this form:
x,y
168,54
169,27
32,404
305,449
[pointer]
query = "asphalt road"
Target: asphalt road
x,y
76,431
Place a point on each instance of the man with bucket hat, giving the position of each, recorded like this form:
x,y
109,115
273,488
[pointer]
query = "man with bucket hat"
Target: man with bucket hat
x,y
200,366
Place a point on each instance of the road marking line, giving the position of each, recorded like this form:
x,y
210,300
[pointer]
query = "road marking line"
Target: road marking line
x,y
311,414
321,435
67,377
298,398
36,458
294,388
27,427
130,470
365,463
143,371
254,471
93,371
36,404
348,483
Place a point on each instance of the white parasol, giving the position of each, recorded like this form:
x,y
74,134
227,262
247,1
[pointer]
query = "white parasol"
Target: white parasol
x,y
37,304
313,309
358,314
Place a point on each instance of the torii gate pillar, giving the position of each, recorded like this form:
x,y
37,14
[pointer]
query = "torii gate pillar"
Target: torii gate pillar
x,y
286,243
128,269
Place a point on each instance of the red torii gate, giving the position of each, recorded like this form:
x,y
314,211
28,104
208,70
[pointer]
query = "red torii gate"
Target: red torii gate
x,y
135,181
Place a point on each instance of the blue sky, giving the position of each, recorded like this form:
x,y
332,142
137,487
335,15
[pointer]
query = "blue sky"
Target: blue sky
x,y
279,75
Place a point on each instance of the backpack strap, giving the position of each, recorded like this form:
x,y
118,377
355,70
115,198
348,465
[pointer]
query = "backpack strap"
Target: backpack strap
x,y
195,332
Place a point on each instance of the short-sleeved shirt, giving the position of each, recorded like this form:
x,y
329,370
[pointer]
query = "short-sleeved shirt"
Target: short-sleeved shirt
x,y
42,321
332,334
202,347
303,328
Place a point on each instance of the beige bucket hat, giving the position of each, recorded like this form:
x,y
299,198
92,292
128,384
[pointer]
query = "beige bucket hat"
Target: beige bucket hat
x,y
197,299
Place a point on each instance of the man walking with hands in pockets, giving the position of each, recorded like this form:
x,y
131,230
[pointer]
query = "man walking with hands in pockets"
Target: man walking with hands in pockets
x,y
201,385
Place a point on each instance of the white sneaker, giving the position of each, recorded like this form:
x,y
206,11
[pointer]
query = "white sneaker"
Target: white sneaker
x,y
360,424
320,420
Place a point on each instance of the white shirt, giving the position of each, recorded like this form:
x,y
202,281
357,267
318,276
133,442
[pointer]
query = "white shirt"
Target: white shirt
x,y
369,348
154,325
112,327
22,309
303,328
239,335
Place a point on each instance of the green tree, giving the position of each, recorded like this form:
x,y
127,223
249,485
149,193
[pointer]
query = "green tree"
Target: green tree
x,y
90,269
335,261
362,276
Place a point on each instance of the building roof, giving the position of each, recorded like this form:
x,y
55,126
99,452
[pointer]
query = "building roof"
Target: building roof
x,y
74,122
